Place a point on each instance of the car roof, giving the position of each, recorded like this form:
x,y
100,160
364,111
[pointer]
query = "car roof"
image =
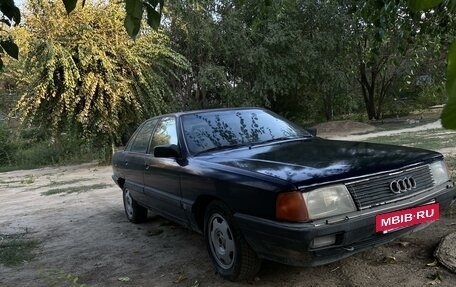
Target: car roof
x,y
179,114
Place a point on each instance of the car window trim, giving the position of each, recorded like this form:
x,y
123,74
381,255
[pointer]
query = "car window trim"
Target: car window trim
x,y
150,135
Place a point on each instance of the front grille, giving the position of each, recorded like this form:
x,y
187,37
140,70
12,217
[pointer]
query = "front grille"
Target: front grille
x,y
376,190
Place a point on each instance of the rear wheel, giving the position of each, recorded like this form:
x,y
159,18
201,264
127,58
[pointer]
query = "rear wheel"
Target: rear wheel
x,y
135,212
233,258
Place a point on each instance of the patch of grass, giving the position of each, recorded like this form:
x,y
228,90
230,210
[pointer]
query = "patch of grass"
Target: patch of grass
x,y
7,168
75,189
8,182
391,125
15,249
67,182
59,183
429,139
61,278
29,179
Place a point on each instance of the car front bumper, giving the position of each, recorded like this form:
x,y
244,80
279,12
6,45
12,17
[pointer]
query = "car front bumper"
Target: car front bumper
x,y
290,243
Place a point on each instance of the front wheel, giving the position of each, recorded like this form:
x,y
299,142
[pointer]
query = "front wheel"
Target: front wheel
x,y
233,258
135,212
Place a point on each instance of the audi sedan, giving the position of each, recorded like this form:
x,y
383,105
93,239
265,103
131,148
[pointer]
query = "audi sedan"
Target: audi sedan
x,y
259,187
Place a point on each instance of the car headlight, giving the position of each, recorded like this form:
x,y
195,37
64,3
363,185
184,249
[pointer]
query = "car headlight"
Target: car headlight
x,y
328,201
439,172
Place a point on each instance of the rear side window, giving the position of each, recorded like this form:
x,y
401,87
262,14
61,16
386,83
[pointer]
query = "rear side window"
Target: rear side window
x,y
142,138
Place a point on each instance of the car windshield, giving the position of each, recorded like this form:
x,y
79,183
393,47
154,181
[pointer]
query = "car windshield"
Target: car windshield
x,y
213,130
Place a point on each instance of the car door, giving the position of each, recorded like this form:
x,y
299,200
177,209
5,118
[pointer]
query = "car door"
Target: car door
x,y
134,160
162,175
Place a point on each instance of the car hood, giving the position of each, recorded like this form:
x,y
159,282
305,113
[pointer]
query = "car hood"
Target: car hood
x,y
316,160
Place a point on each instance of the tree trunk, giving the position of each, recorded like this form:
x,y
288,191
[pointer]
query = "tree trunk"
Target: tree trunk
x,y
328,107
368,90
108,153
109,150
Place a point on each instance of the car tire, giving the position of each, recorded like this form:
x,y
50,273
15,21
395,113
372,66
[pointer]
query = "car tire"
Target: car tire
x,y
135,213
233,258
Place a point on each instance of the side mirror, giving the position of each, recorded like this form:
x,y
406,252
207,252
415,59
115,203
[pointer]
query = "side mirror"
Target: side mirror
x,y
312,131
168,151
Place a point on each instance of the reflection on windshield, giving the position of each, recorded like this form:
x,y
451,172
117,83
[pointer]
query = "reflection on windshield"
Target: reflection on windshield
x,y
221,129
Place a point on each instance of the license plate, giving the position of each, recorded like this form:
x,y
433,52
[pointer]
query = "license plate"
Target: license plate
x,y
396,220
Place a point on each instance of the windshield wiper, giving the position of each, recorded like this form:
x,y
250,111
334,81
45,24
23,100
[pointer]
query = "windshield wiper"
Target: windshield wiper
x,y
281,139
275,139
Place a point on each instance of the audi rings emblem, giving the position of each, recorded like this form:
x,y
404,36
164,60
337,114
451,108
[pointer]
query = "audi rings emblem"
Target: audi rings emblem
x,y
402,185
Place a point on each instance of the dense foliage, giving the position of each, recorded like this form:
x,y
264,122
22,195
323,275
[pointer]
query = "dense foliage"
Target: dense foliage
x,y
389,43
311,60
84,74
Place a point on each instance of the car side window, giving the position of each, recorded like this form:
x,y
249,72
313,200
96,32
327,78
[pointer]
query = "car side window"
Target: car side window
x,y
141,141
165,134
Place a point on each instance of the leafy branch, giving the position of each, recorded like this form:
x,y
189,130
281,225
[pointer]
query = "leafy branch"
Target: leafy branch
x,y
11,16
449,112
135,10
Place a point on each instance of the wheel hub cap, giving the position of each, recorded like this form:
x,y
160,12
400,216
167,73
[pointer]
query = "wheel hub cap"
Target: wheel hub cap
x,y
128,203
221,241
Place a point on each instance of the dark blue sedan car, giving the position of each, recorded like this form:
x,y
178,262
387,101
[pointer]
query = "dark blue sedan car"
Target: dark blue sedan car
x,y
259,187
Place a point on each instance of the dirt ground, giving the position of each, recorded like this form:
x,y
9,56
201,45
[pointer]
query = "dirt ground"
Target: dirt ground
x,y
342,128
86,239
359,137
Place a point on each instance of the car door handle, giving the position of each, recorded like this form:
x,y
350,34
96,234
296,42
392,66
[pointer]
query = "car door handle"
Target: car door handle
x,y
147,166
126,163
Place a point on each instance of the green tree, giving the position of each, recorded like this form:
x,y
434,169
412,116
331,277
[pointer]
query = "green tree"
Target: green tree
x,y
444,9
82,72
287,55
11,16
389,42
298,60
194,34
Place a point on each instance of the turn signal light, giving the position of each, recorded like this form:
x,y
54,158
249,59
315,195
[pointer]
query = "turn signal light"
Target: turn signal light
x,y
290,206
